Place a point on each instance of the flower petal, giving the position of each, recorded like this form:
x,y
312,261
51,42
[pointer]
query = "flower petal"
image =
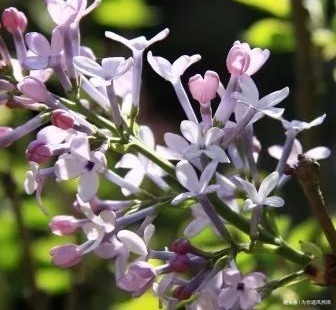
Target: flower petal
x,y
217,153
38,43
181,197
187,176
268,184
213,135
87,66
274,201
147,136
67,167
249,188
195,227
207,174
319,152
175,142
190,131
128,161
80,148
133,177
92,231
88,185
273,99
228,297
133,242
161,66
109,219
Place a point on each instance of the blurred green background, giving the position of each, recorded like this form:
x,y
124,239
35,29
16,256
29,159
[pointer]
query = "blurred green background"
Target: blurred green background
x,y
301,37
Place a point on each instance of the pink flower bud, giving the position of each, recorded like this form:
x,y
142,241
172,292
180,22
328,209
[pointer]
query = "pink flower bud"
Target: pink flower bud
x,y
180,263
244,60
66,256
13,19
238,59
64,225
181,246
204,90
33,88
38,152
138,279
62,119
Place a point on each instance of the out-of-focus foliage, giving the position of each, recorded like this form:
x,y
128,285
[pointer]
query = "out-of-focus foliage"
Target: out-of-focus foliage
x,y
126,14
278,8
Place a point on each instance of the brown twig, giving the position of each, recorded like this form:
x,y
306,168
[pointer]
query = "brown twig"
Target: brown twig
x,y
307,173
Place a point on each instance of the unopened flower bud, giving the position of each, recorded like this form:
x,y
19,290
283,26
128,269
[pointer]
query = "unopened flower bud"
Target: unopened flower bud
x,y
62,119
181,246
180,263
33,88
13,19
182,293
66,256
38,152
6,85
64,225
204,90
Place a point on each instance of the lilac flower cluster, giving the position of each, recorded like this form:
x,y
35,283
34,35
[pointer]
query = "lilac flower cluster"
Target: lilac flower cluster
x,y
212,163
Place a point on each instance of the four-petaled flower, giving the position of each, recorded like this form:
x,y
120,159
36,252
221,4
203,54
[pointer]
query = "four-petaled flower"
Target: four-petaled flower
x,y
260,197
80,162
241,291
186,175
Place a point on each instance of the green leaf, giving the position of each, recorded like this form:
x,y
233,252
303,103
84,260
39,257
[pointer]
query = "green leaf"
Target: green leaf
x,y
271,33
126,14
54,281
279,8
310,248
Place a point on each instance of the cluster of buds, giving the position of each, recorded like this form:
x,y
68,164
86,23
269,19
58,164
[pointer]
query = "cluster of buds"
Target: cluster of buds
x,y
212,164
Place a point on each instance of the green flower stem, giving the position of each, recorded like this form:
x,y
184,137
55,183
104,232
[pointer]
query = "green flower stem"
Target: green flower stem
x,y
285,281
279,247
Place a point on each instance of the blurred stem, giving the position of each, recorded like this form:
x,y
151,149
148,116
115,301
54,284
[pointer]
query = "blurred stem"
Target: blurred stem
x,y
34,296
307,69
307,173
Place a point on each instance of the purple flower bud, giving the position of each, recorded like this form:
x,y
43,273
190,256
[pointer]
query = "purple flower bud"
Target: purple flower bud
x,y
138,279
33,88
38,152
62,119
13,19
6,85
182,293
181,246
64,225
66,256
180,263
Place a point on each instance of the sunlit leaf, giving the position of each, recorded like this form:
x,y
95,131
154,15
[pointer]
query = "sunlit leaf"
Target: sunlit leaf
x,y
280,8
304,231
10,255
271,33
126,14
53,280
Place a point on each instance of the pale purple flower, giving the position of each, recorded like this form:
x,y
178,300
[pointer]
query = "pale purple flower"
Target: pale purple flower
x,y
260,197
44,54
242,59
139,277
319,152
82,163
110,69
139,43
249,96
194,144
241,291
171,71
65,12
140,166
186,175
298,126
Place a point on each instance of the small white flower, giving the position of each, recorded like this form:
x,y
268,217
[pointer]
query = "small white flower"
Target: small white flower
x,y
186,175
260,197
171,72
319,152
80,162
249,96
298,126
111,68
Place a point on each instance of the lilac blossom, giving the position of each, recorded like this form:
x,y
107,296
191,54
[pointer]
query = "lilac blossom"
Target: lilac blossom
x,y
83,163
188,178
241,291
260,197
